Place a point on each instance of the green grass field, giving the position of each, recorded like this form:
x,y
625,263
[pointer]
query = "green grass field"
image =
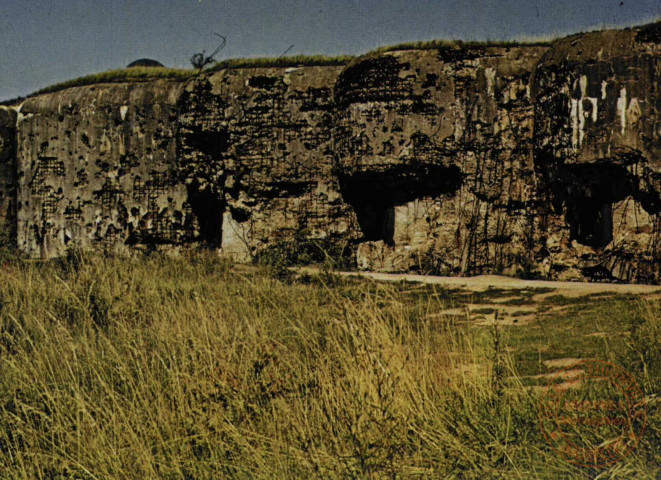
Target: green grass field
x,y
193,368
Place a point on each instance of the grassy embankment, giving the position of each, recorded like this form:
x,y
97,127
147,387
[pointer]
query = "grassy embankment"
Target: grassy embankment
x,y
192,368
142,74
444,44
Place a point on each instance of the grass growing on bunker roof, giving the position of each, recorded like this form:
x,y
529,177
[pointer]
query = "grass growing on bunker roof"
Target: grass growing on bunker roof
x,y
441,44
133,74
142,74
291,61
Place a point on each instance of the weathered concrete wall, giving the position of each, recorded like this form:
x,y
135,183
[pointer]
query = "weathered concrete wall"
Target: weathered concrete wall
x,y
459,160
435,157
97,168
7,173
255,145
598,150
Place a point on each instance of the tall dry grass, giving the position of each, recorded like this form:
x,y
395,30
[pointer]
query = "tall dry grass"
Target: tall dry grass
x,y
189,368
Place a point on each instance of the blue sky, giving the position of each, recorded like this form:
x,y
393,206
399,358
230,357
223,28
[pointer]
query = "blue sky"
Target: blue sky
x,y
47,41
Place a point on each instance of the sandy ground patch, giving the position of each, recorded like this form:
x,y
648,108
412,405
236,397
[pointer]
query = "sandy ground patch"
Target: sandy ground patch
x,y
484,282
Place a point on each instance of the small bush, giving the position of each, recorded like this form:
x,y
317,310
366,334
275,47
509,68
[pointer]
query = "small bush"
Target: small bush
x,y
302,250
8,251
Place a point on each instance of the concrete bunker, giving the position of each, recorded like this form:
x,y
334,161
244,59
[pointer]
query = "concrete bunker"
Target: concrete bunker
x,y
451,160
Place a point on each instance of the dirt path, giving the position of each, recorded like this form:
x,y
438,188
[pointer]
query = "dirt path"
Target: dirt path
x,y
529,301
484,282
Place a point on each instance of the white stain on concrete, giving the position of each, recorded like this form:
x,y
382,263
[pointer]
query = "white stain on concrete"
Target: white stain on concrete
x,y
595,110
574,123
622,108
20,117
581,122
584,86
490,75
578,114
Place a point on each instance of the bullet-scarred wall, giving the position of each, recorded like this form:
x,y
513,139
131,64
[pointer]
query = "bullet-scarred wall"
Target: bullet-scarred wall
x,y
434,156
256,145
97,168
530,160
598,151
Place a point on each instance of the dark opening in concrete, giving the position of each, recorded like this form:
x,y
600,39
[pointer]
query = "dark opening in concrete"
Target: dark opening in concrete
x,y
210,143
591,222
377,221
374,195
208,209
588,192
